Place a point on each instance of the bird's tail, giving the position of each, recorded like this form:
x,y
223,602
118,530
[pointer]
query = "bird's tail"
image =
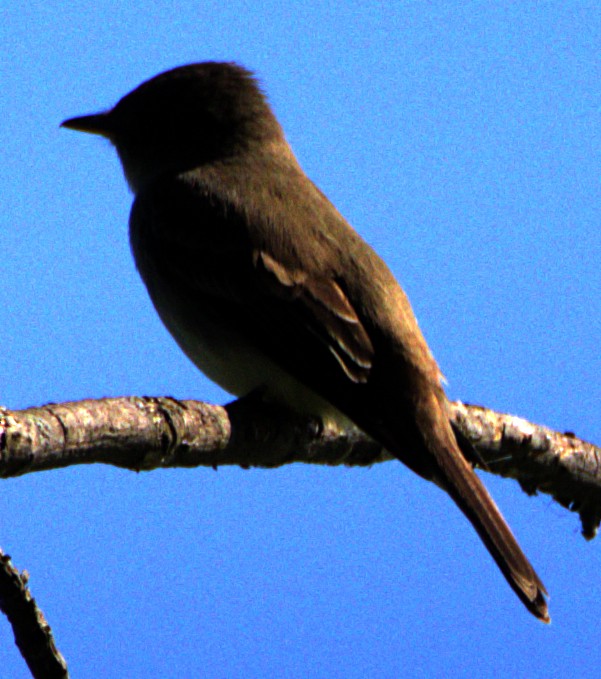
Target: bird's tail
x,y
458,478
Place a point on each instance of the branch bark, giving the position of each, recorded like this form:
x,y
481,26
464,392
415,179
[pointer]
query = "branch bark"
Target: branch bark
x,y
145,433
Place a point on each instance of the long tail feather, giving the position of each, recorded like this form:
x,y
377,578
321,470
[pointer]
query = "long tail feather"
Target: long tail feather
x,y
458,478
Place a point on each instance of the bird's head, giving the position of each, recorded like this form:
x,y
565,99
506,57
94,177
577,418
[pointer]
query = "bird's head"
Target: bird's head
x,y
184,118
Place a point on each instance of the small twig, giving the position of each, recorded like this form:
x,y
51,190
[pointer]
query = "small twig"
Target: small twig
x,y
33,635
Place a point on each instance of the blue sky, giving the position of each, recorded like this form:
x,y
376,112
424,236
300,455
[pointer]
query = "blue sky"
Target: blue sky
x,y
463,143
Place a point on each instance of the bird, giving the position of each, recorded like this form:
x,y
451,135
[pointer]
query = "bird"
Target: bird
x,y
269,290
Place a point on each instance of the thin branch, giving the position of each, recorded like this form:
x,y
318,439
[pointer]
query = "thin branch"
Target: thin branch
x,y
33,635
147,433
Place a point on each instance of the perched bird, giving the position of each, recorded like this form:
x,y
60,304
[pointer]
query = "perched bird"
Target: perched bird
x,y
267,288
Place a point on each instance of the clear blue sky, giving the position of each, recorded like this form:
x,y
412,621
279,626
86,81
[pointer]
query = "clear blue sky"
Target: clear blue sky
x,y
462,140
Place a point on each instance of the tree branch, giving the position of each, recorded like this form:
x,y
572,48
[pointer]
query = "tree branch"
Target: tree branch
x,y
143,433
33,635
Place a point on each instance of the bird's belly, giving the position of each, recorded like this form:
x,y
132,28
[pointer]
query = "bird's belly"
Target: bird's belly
x,y
237,366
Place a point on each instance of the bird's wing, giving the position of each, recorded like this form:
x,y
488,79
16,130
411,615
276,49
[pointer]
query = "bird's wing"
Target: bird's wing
x,y
325,310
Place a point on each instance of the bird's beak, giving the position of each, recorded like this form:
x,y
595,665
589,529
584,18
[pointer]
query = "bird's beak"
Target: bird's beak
x,y
98,123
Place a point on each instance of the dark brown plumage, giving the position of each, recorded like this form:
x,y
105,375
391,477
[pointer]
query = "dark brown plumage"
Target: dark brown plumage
x,y
265,285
